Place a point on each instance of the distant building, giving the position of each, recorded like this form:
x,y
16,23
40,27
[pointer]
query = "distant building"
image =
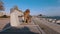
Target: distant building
x,y
2,12
7,14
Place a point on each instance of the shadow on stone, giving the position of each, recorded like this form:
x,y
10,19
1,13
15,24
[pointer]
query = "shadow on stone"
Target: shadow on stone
x,y
58,23
21,30
6,26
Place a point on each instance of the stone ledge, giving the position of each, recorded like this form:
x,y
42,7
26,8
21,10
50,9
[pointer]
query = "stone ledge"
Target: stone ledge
x,y
53,27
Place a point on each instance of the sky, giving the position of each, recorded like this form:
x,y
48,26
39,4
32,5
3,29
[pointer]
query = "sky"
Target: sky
x,y
45,7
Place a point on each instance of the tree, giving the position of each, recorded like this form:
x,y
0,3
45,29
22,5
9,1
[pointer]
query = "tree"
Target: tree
x,y
40,14
1,6
16,7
